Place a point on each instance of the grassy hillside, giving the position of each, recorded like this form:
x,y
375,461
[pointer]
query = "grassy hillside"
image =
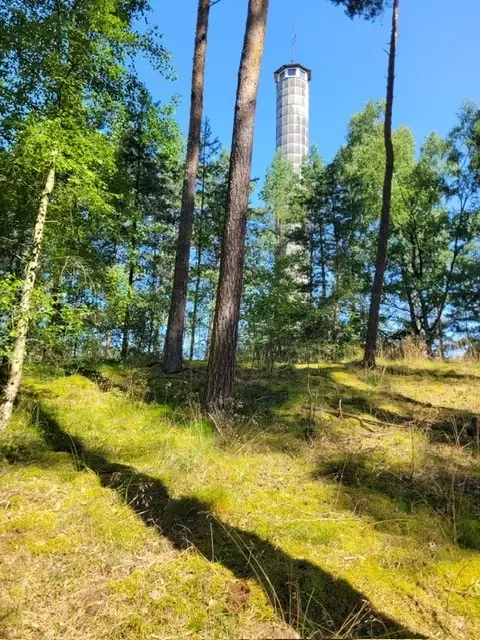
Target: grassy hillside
x,y
335,503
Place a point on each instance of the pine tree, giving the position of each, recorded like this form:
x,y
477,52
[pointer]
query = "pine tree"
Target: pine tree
x,y
173,350
221,361
381,260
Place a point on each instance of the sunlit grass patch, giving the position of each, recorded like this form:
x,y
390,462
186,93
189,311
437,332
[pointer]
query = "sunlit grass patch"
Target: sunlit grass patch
x,y
380,505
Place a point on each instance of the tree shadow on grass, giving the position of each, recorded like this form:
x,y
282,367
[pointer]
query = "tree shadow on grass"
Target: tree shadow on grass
x,y
259,390
282,401
441,424
305,596
439,374
438,504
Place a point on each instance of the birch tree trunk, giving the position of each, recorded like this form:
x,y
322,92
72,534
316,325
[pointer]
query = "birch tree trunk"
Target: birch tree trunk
x,y
381,260
172,356
108,343
18,354
221,361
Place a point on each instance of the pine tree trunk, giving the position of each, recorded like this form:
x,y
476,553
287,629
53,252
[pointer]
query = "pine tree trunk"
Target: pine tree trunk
x,y
221,362
210,326
172,357
18,353
441,344
441,335
381,260
311,266
155,340
133,249
126,320
414,322
211,313
194,319
322,259
196,293
155,320
195,300
429,343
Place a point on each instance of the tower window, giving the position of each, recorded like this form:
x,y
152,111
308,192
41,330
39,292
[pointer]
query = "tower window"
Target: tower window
x,y
302,73
292,72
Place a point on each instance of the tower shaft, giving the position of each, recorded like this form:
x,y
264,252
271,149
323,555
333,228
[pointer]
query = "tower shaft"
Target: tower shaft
x,y
292,82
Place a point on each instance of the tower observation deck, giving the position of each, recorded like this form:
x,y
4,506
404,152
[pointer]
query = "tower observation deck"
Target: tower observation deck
x,y
292,82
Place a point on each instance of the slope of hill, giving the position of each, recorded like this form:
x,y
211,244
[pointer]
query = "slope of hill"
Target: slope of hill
x,y
334,503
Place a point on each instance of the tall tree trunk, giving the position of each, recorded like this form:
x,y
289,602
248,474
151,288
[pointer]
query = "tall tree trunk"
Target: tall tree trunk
x,y
126,319
18,353
322,259
429,339
108,344
155,339
211,311
311,265
414,321
133,246
172,357
221,361
210,326
195,304
441,337
155,320
381,261
198,257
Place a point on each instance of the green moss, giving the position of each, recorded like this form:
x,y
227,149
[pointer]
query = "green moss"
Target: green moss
x,y
468,532
42,522
219,499
52,546
358,513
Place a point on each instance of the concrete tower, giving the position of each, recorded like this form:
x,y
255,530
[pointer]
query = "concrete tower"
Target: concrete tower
x,y
292,82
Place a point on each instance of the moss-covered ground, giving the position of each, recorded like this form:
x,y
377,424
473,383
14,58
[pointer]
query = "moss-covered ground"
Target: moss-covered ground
x,y
334,503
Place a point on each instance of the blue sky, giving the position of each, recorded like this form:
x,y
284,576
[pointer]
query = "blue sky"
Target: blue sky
x,y
438,65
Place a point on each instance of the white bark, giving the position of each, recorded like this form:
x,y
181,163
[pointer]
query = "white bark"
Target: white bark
x,y
18,353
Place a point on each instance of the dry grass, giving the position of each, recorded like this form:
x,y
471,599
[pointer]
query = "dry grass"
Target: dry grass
x,y
290,519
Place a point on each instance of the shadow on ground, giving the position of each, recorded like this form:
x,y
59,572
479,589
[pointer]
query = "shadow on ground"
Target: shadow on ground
x,y
284,398
422,505
439,374
287,406
305,596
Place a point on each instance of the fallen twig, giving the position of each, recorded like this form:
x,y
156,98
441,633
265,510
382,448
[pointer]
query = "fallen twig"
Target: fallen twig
x,y
362,421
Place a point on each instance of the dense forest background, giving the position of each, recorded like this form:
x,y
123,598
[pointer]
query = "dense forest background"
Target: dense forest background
x,y
79,130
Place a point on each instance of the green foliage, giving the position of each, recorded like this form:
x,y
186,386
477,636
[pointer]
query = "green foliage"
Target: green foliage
x,y
436,231
368,9
69,97
9,287
277,193
313,302
208,225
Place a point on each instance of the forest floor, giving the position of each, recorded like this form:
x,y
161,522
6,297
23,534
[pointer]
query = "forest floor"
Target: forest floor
x,y
335,503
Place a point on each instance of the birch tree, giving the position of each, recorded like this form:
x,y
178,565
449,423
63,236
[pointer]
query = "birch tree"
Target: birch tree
x,y
64,68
